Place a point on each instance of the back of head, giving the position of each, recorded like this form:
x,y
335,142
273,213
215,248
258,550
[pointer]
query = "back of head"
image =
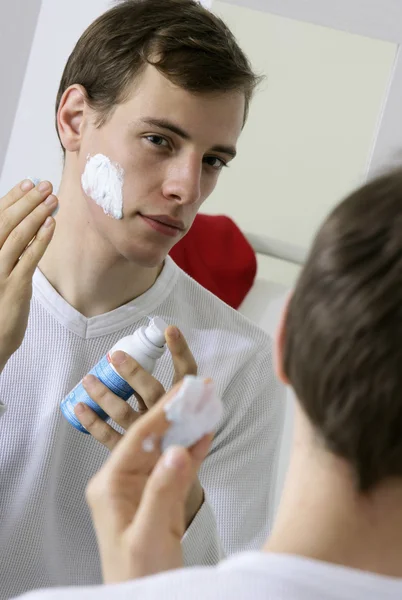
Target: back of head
x,y
343,332
189,45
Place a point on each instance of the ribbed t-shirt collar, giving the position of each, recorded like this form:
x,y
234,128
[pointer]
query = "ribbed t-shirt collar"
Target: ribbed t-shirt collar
x,y
111,321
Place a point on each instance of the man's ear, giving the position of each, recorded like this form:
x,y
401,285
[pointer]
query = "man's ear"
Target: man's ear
x,y
280,341
70,117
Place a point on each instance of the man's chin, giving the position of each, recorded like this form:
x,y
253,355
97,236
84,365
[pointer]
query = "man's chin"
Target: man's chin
x,y
146,259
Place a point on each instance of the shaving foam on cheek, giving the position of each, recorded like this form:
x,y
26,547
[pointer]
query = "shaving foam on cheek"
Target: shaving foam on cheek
x,y
103,181
195,411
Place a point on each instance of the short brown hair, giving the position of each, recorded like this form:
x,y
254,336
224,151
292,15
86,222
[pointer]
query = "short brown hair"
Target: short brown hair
x,y
189,45
343,333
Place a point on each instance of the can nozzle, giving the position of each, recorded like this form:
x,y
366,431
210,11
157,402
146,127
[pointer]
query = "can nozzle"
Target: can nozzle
x,y
155,332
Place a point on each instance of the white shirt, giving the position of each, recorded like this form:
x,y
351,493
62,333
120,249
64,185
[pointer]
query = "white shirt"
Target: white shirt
x,y
249,576
46,534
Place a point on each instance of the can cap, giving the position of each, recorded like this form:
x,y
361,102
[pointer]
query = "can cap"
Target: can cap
x,y
155,331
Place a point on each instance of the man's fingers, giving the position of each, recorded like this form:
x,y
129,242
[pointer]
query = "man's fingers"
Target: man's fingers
x,y
30,258
162,508
99,429
14,212
21,223
133,459
183,361
119,410
142,440
18,192
145,385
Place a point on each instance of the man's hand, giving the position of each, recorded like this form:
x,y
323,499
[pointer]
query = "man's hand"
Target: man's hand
x,y
148,391
138,498
26,229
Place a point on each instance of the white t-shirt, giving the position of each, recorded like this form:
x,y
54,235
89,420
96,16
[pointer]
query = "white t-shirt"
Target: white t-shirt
x,y
248,576
46,534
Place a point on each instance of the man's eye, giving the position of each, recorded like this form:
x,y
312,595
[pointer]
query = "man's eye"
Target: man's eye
x,y
215,162
157,140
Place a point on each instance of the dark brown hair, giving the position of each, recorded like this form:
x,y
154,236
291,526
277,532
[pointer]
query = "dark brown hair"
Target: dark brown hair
x,y
343,334
189,45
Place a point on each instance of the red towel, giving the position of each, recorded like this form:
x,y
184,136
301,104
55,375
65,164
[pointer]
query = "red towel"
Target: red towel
x,y
217,255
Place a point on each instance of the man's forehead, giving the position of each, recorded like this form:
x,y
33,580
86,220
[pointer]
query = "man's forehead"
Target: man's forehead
x,y
155,96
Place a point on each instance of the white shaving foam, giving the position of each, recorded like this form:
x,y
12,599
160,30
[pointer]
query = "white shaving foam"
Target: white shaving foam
x,y
195,411
103,181
35,180
148,445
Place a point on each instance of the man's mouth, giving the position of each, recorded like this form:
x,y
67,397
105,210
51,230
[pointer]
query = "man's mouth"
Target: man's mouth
x,y
164,224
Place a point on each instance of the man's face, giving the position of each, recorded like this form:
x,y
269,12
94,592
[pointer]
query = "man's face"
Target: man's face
x,y
172,146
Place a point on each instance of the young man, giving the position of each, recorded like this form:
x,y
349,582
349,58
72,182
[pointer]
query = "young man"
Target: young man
x,y
338,535
160,88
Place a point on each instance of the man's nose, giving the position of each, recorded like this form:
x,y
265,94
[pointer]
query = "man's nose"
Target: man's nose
x,y
183,181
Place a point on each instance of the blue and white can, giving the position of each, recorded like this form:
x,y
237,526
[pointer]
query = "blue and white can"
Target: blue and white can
x,y
105,372
146,346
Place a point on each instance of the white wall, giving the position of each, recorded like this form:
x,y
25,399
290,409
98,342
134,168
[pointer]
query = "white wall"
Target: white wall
x,y
17,27
311,126
34,148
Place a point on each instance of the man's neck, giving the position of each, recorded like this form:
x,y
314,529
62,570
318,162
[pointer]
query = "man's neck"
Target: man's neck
x,y
85,271
322,516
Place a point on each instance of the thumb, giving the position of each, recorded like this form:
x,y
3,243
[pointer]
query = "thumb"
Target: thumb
x,y
161,514
183,361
